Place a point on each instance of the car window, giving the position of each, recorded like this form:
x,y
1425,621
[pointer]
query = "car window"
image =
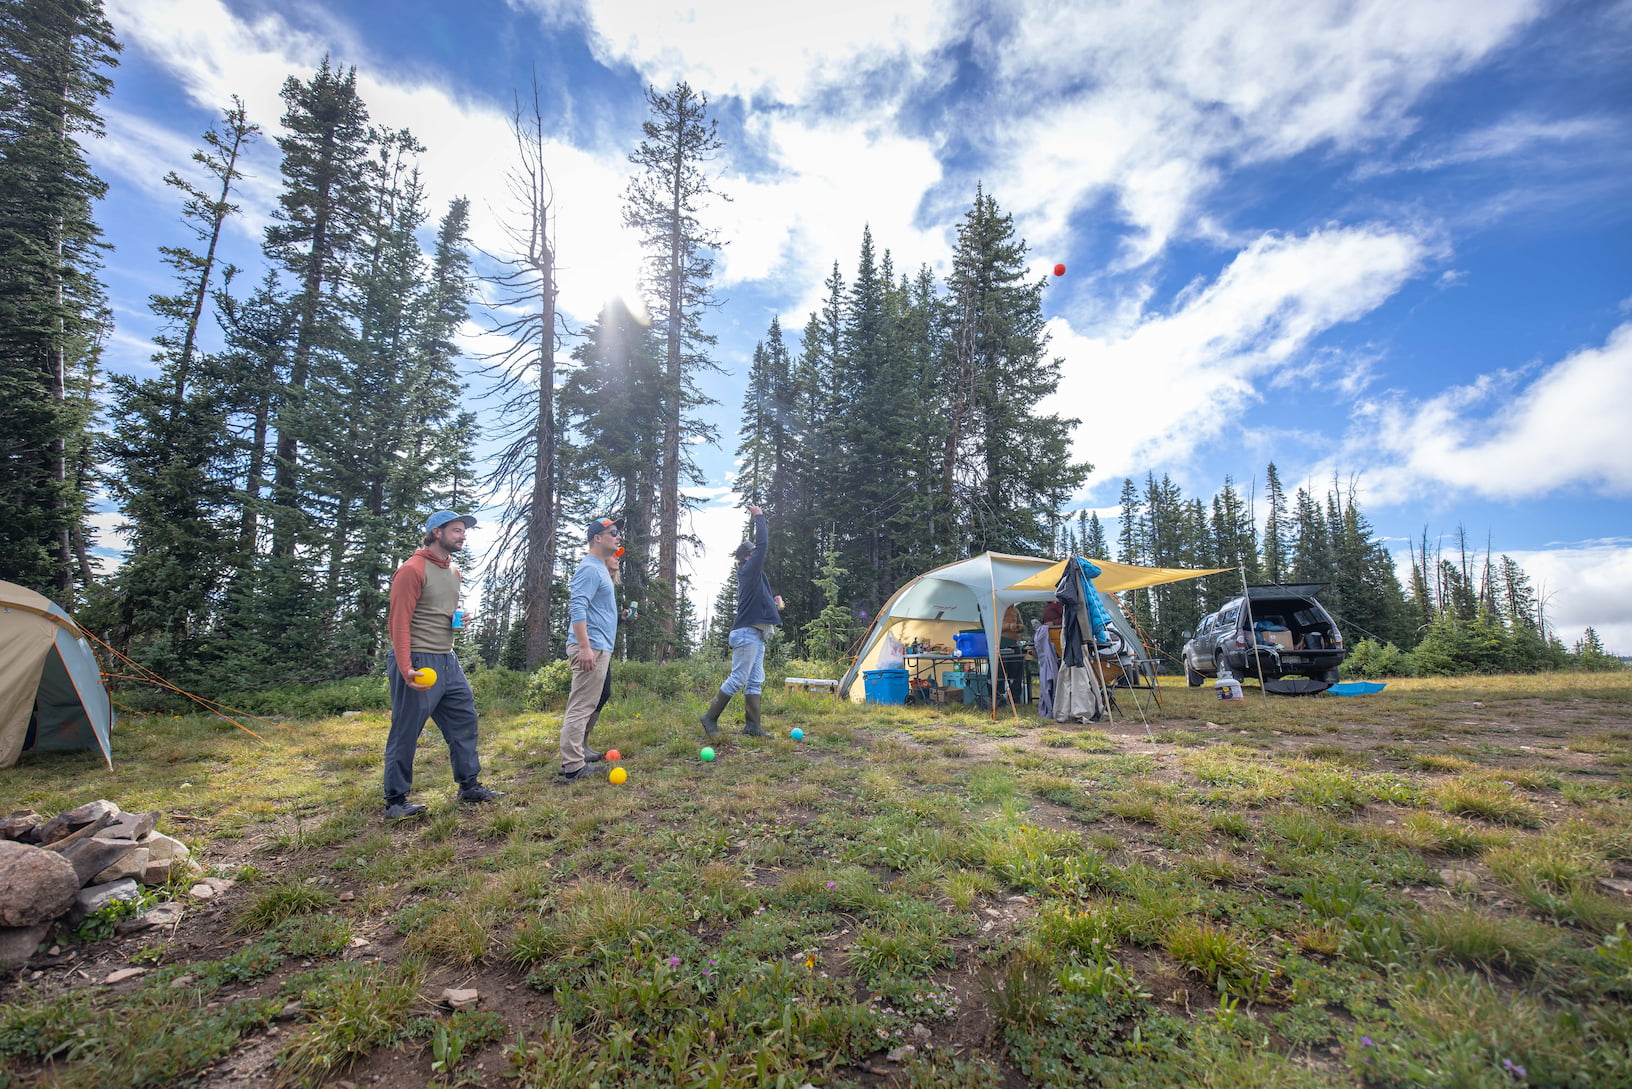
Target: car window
x,y
1226,616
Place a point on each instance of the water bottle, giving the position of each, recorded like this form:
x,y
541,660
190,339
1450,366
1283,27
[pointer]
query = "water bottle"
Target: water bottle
x,y
634,608
458,618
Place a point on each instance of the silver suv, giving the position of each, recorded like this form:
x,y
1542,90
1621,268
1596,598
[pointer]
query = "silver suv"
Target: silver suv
x,y
1279,634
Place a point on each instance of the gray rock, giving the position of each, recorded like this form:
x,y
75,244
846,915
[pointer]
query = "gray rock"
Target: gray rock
x,y
60,826
92,855
156,873
22,825
36,885
460,997
167,914
130,826
18,943
132,864
97,897
161,847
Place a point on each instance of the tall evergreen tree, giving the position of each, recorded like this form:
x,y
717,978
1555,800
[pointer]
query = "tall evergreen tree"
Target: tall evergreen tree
x,y
1008,467
314,237
664,203
170,447
53,60
1274,566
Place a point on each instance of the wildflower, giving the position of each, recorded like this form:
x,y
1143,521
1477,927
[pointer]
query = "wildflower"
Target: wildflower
x,y
1514,1068
674,962
832,884
1365,1041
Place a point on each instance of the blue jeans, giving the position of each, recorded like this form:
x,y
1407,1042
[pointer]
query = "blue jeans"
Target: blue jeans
x,y
747,662
450,702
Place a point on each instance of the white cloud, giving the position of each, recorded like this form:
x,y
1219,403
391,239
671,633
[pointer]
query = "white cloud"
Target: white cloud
x,y
215,54
833,179
1511,435
753,49
1151,392
1147,100
1588,585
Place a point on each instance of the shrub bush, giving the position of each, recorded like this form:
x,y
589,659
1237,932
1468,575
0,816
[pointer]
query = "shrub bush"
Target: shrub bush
x,y
1370,659
548,683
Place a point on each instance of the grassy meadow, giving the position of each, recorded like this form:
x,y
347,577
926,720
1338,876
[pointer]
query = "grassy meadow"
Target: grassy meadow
x,y
1427,886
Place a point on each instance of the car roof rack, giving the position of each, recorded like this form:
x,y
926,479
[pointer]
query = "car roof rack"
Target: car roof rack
x,y
1268,590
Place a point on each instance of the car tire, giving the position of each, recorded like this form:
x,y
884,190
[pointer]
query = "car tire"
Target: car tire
x,y
1191,677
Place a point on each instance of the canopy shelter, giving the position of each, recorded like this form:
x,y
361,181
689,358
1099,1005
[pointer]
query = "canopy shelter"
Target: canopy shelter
x,y
51,693
975,593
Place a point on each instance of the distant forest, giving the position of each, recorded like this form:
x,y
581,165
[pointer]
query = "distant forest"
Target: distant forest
x,y
303,416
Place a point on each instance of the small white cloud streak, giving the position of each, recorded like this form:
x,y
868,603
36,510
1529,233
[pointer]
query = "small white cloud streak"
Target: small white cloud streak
x,y
1507,438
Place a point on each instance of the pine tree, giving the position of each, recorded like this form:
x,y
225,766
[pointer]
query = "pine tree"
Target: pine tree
x,y
1274,566
828,636
53,57
613,406
170,446
1009,468
315,236
663,203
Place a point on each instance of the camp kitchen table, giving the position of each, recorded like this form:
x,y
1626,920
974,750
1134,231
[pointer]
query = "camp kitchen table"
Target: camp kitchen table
x,y
928,667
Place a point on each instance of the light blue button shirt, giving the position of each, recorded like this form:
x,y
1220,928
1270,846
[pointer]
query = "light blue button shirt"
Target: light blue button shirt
x,y
594,602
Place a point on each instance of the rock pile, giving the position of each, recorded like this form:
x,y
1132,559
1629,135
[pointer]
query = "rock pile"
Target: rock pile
x,y
74,864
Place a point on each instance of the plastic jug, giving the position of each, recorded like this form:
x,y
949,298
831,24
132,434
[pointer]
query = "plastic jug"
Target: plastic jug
x,y
1228,687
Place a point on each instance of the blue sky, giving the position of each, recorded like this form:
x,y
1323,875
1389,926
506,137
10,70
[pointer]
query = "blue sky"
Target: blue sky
x,y
1386,239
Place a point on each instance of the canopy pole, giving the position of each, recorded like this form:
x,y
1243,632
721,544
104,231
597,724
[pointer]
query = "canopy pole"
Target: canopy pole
x,y
1258,662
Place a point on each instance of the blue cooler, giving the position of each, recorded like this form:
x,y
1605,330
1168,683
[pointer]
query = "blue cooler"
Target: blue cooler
x,y
885,685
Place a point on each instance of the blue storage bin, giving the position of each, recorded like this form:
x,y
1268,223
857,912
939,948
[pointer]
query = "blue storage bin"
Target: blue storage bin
x,y
953,678
885,685
971,644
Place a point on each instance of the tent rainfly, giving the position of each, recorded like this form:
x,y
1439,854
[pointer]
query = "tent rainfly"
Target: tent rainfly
x,y
974,593
51,693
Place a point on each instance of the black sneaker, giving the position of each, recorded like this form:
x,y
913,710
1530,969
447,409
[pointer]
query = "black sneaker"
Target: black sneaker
x,y
398,811
479,793
585,772
593,757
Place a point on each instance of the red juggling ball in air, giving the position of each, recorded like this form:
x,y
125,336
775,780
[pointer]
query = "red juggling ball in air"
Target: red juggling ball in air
x,y
1059,270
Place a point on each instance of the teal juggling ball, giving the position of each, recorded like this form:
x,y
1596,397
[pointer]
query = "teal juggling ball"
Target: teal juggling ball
x,y
796,733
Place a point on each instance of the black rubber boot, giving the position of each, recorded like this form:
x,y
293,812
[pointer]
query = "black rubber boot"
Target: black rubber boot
x,y
711,717
750,716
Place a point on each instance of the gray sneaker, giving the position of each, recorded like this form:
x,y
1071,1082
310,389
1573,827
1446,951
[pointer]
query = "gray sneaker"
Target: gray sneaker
x,y
479,793
584,772
397,811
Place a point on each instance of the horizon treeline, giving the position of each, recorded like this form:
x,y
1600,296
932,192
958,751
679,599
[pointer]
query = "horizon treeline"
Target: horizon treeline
x,y
303,416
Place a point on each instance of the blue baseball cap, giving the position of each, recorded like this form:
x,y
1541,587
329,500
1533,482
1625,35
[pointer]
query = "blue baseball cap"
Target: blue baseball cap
x,y
603,525
443,517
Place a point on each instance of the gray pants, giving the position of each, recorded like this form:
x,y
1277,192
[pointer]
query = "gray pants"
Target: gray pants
x,y
450,703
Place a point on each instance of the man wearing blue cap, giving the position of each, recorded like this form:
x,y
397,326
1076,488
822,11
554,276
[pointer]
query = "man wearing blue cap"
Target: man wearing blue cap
x,y
592,616
423,618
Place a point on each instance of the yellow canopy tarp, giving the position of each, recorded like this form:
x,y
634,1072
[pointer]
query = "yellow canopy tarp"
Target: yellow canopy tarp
x,y
1116,577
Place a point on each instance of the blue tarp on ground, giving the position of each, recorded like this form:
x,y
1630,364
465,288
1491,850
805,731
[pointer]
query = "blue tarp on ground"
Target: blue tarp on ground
x,y
1357,688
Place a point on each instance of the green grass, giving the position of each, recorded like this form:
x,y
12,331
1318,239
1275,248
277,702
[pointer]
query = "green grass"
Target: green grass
x,y
1287,893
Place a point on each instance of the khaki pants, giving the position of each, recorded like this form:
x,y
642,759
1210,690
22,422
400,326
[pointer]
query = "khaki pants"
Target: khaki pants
x,y
581,701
